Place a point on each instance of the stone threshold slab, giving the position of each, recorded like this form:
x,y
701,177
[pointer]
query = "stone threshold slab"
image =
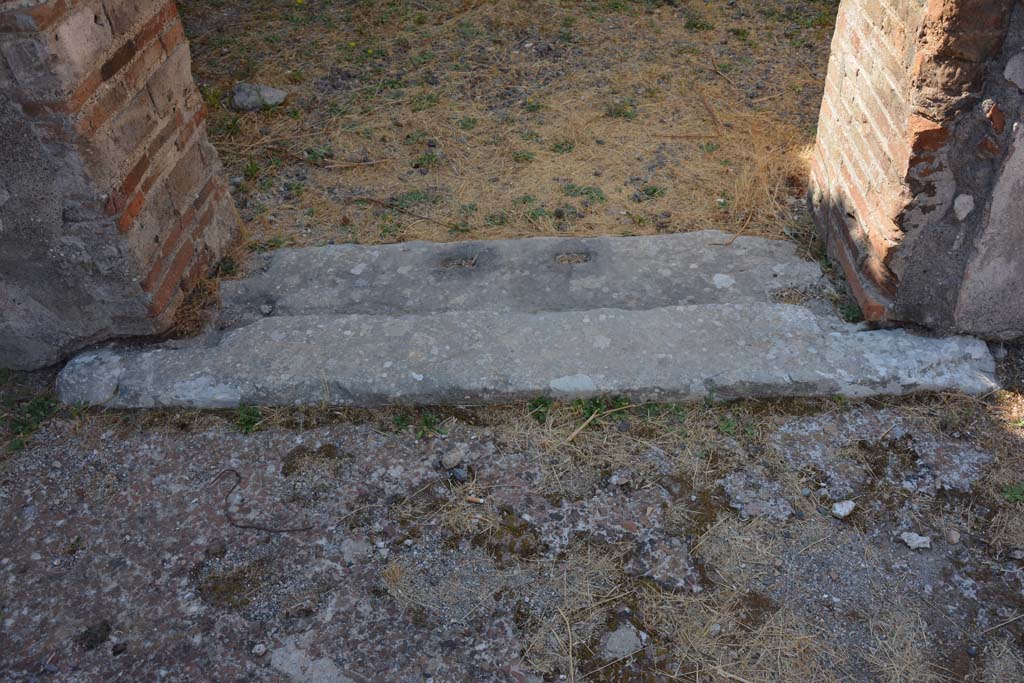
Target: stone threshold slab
x,y
523,275
682,353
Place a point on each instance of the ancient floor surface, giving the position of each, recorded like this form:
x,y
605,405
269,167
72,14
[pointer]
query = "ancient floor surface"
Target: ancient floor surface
x,y
657,543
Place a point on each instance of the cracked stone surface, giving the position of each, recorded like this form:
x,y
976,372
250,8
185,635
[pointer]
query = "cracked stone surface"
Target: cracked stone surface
x,y
755,494
862,444
669,318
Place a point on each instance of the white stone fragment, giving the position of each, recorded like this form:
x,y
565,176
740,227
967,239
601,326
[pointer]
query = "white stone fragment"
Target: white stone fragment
x,y
843,509
963,206
915,541
249,97
623,642
723,281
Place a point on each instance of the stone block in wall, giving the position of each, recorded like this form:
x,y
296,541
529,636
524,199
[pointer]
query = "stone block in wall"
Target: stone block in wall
x,y
171,84
81,40
126,15
991,297
114,203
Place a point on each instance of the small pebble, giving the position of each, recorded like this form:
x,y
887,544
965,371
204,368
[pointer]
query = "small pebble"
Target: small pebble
x,y
843,509
455,457
259,649
952,537
972,651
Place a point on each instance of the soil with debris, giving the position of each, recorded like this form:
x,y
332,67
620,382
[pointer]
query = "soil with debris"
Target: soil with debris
x,y
450,120
660,543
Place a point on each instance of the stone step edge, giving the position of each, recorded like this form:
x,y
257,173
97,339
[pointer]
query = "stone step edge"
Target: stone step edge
x,y
681,353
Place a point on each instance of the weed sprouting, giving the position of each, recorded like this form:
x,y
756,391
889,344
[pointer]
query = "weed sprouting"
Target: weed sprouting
x,y
540,408
26,418
429,425
248,418
591,192
427,160
622,109
1014,493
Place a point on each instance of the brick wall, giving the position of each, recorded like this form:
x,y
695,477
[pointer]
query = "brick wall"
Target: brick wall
x,y
916,128
103,94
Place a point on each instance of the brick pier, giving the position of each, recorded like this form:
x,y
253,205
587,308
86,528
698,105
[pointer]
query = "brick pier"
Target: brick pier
x,y
917,180
112,202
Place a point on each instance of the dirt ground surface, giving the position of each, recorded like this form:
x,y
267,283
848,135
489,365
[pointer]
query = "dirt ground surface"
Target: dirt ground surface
x,y
589,542
450,120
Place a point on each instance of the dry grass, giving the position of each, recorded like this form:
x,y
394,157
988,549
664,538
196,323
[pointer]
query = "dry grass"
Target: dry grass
x,y
900,652
202,304
534,117
1005,662
717,637
704,441
586,585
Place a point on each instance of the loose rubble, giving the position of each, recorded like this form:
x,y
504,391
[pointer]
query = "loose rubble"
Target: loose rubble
x,y
847,448
248,97
915,541
624,641
843,509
